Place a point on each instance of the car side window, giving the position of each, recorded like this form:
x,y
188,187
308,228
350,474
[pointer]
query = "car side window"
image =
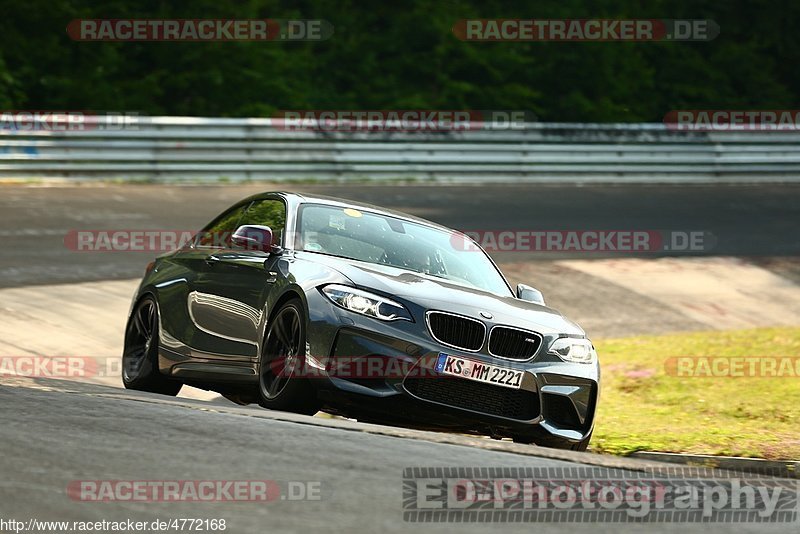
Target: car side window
x,y
218,233
267,212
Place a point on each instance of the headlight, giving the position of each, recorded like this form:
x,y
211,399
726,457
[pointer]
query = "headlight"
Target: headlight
x,y
366,303
574,350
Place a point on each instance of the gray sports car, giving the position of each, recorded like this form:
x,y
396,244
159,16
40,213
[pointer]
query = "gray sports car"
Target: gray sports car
x,y
307,303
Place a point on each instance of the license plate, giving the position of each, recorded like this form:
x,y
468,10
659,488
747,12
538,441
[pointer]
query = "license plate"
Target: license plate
x,y
478,371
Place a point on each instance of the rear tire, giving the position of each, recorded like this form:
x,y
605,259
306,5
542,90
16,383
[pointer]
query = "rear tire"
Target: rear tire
x,y
282,356
140,355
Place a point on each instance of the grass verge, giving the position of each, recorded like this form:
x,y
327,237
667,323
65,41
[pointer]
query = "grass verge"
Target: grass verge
x,y
648,403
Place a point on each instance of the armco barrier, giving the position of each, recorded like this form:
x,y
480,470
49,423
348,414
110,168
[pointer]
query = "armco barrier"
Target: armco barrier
x,y
208,149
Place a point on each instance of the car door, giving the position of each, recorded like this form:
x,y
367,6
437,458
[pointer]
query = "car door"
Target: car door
x,y
184,272
233,284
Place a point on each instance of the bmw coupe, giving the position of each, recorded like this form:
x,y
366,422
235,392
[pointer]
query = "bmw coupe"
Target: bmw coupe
x,y
305,303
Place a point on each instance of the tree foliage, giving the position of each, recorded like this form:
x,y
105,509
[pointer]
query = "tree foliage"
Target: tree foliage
x,y
401,55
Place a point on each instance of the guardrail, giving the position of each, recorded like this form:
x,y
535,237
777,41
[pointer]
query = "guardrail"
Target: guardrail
x,y
202,149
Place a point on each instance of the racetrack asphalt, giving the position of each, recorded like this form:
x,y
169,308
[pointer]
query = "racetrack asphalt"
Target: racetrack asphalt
x,y
55,432
745,221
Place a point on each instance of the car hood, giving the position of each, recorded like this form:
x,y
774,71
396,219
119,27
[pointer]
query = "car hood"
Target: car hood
x,y
438,294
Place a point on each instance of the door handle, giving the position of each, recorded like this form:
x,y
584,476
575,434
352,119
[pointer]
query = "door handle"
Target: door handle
x,y
211,260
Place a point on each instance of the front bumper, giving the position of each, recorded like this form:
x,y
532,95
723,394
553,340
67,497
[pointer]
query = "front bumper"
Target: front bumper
x,y
384,372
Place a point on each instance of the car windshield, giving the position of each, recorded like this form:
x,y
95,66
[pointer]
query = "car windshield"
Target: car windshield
x,y
373,238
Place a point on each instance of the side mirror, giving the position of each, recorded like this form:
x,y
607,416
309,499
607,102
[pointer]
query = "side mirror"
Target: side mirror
x,y
529,294
254,237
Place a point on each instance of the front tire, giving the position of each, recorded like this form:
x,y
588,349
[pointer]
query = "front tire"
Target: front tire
x,y
282,360
140,355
